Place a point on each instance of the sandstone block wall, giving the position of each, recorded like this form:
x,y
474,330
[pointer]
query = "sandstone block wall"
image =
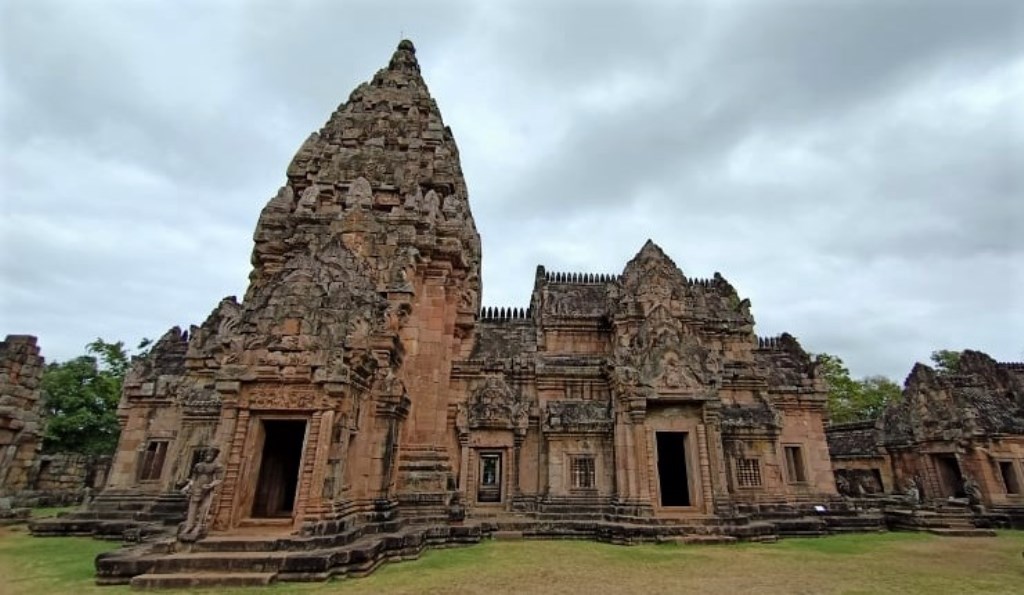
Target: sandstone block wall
x,y
21,419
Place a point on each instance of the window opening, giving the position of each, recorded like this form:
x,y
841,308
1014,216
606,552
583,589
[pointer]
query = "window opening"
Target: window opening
x,y
795,464
748,473
582,472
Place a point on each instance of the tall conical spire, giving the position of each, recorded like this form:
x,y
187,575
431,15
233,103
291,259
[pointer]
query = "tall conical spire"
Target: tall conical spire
x,y
373,194
404,58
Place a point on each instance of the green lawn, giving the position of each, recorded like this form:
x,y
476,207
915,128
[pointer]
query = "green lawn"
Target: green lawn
x,y
869,563
45,512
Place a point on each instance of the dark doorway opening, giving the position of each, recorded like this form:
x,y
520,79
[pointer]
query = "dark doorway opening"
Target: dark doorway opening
x,y
489,482
950,476
672,477
279,468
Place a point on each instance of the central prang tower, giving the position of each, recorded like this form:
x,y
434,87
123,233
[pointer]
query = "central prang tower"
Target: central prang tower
x,y
365,285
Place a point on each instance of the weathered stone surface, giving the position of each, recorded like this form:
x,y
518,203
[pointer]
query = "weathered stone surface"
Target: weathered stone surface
x,y
358,389
21,412
982,398
953,435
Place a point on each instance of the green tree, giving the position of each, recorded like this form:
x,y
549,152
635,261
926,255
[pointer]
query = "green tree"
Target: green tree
x,y
850,399
81,396
843,391
876,393
946,361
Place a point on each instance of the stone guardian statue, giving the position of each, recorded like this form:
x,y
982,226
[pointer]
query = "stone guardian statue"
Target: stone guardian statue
x,y
972,490
913,492
206,475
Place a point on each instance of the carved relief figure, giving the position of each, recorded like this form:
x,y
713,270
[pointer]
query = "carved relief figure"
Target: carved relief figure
x,y
677,375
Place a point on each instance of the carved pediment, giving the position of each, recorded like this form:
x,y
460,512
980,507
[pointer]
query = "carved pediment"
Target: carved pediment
x,y
495,405
666,357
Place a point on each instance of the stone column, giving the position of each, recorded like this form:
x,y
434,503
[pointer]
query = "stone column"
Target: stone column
x,y
464,472
517,442
716,456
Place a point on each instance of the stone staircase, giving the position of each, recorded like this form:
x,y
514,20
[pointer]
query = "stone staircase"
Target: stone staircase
x,y
424,473
251,560
1005,516
941,519
854,521
129,519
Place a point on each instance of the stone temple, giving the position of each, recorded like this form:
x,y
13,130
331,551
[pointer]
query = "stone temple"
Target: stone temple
x,y
955,437
358,405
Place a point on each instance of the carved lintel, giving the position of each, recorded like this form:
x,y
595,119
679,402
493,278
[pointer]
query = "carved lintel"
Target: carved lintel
x,y
577,417
269,396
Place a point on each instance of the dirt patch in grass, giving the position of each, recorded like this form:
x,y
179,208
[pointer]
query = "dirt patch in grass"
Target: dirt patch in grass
x,y
870,563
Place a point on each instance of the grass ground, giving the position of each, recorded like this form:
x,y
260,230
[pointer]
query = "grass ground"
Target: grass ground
x,y
45,512
869,563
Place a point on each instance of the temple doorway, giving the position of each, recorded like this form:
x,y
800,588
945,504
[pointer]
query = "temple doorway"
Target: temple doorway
x,y
950,478
278,477
489,480
672,473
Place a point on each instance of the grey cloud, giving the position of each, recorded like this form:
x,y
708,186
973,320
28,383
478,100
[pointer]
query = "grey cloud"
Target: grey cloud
x,y
777,142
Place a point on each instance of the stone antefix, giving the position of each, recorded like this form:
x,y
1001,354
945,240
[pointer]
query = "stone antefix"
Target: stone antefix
x,y
365,407
954,439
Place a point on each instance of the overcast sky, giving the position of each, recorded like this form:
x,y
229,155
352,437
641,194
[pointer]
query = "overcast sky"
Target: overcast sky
x,y
855,168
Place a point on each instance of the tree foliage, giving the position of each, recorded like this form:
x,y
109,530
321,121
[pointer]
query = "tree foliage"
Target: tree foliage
x,y
81,396
946,361
853,400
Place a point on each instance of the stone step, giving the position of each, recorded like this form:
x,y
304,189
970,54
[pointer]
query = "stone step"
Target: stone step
x,y
202,580
962,532
803,526
251,543
188,563
706,539
854,522
838,529
362,555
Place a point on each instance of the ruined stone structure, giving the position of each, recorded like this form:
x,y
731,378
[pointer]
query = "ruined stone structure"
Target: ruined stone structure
x,y
958,436
66,478
21,414
27,477
364,406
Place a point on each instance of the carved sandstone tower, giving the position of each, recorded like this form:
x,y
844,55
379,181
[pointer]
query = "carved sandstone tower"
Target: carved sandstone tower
x,y
365,283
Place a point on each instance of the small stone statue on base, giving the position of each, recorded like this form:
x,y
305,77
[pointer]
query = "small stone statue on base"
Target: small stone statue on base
x,y
206,475
87,497
843,486
913,492
972,490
